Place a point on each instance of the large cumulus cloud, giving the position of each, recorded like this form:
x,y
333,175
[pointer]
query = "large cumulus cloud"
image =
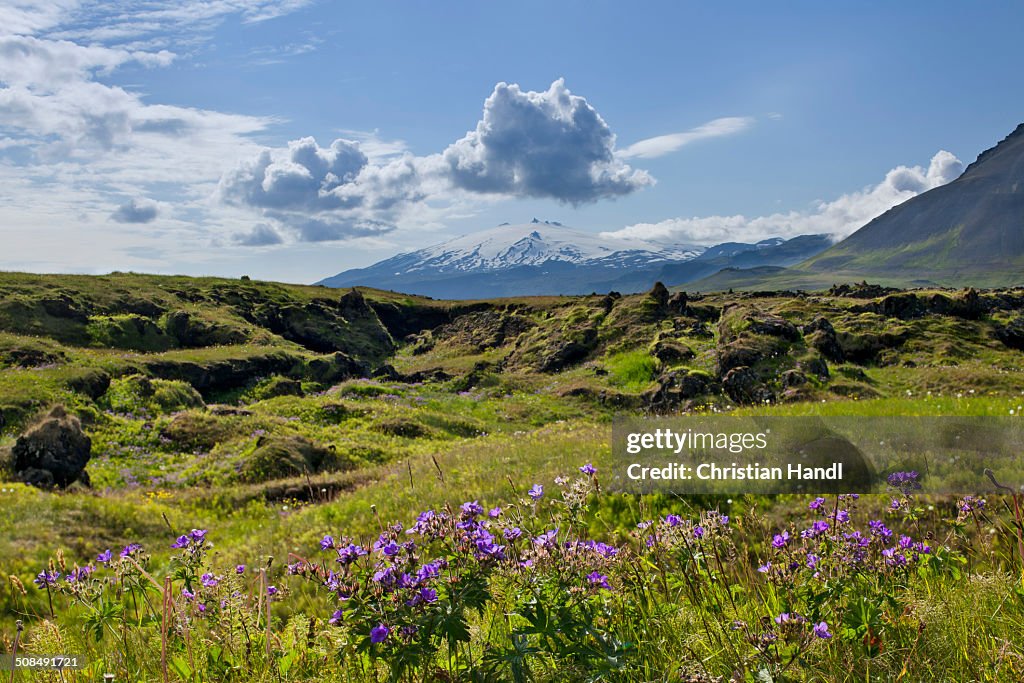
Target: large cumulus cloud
x,y
837,218
323,193
550,144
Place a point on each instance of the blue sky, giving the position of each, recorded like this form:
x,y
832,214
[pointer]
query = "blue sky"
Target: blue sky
x,y
200,137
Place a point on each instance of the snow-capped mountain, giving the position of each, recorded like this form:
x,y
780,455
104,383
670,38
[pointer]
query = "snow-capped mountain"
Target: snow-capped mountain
x,y
535,244
543,257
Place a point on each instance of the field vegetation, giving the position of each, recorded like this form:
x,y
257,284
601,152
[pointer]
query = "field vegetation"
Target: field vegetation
x,y
269,448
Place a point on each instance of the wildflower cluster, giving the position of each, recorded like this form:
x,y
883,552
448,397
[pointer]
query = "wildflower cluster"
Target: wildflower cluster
x,y
526,579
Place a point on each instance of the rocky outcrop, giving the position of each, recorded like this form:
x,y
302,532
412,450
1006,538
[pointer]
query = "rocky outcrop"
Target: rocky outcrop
x,y
1012,333
676,387
820,335
671,352
744,385
53,452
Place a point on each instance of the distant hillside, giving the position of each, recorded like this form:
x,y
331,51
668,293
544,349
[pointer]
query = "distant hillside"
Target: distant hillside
x,y
543,258
971,229
969,232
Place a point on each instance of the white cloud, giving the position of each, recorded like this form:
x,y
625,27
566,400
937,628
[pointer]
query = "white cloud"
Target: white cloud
x,y
550,144
665,144
837,218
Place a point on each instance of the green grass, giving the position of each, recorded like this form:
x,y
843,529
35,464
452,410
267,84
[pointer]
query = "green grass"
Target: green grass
x,y
632,370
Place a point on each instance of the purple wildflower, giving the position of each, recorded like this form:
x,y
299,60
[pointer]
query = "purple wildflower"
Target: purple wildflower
x,y
904,482
780,540
105,556
335,618
130,549
379,633
546,539
326,543
588,469
821,630
536,492
472,509
351,553
598,580
45,578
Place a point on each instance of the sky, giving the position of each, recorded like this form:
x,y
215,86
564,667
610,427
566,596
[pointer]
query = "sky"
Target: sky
x,y
294,139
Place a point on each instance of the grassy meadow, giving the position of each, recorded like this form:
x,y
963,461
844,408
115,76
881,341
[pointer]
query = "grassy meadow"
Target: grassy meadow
x,y
306,484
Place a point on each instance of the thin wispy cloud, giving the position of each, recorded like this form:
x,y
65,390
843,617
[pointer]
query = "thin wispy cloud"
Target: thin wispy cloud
x,y
666,144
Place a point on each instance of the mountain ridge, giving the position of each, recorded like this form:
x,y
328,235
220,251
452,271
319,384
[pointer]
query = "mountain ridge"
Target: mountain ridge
x,y
545,257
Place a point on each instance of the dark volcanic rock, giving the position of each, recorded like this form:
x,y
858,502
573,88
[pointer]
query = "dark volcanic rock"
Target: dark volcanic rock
x,y
335,368
671,352
793,378
738,354
564,355
774,326
860,291
191,332
744,386
678,302
659,292
676,387
867,347
53,452
815,366
89,381
820,335
1012,333
229,373
63,306
484,330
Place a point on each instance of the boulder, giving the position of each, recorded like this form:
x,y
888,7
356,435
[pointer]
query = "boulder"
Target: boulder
x,y
678,302
674,388
53,452
743,385
659,292
815,365
793,378
820,335
671,352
